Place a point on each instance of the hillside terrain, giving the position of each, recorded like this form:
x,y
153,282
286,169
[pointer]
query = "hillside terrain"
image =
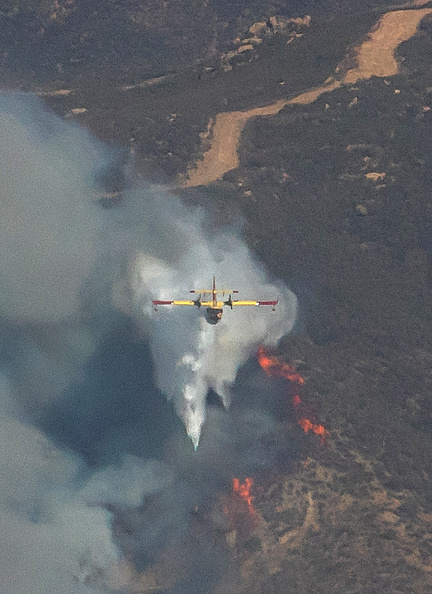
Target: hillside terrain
x,y
335,199
163,119
44,41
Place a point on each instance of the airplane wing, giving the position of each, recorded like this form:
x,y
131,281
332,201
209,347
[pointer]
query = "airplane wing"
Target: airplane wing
x,y
255,303
164,302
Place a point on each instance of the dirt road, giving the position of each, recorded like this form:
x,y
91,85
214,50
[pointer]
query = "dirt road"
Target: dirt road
x,y
375,57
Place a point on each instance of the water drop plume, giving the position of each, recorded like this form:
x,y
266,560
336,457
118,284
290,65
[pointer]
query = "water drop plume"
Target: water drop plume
x,y
173,249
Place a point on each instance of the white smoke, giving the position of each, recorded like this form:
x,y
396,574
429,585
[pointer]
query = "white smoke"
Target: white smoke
x,y
56,530
175,252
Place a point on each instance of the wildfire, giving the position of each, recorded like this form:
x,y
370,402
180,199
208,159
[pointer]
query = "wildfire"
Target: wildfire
x,y
242,519
308,425
276,368
243,490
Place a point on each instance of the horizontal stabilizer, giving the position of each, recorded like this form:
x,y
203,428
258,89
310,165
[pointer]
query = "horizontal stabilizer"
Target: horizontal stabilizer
x,y
204,291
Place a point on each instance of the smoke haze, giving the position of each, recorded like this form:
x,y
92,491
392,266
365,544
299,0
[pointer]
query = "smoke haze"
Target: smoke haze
x,y
95,467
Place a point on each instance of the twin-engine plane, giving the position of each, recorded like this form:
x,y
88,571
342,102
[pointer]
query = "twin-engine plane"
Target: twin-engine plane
x,y
214,307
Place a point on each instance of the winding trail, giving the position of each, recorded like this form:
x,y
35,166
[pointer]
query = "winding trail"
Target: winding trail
x,y
374,57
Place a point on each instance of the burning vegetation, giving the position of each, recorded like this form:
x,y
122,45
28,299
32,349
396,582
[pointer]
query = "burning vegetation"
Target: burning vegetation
x,y
242,519
274,367
240,504
243,490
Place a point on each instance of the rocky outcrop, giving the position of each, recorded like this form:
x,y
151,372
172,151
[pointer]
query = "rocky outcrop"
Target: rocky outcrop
x,y
259,32
278,24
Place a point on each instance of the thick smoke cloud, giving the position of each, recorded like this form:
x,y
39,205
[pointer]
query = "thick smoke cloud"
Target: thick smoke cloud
x,y
95,468
49,230
53,539
47,179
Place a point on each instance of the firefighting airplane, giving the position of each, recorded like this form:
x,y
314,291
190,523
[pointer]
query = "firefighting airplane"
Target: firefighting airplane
x,y
214,307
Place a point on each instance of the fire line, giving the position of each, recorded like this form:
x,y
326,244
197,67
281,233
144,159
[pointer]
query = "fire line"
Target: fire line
x,y
243,490
274,367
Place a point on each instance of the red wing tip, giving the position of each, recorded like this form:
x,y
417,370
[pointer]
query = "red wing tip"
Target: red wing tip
x,y
268,302
158,302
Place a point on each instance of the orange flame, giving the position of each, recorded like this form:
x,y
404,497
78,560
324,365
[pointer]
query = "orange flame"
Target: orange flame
x,y
307,425
272,366
276,368
243,490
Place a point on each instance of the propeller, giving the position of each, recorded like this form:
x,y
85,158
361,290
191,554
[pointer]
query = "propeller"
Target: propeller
x,y
229,302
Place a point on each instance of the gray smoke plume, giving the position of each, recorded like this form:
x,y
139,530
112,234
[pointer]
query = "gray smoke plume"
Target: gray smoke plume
x,y
53,538
64,264
49,229
48,175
